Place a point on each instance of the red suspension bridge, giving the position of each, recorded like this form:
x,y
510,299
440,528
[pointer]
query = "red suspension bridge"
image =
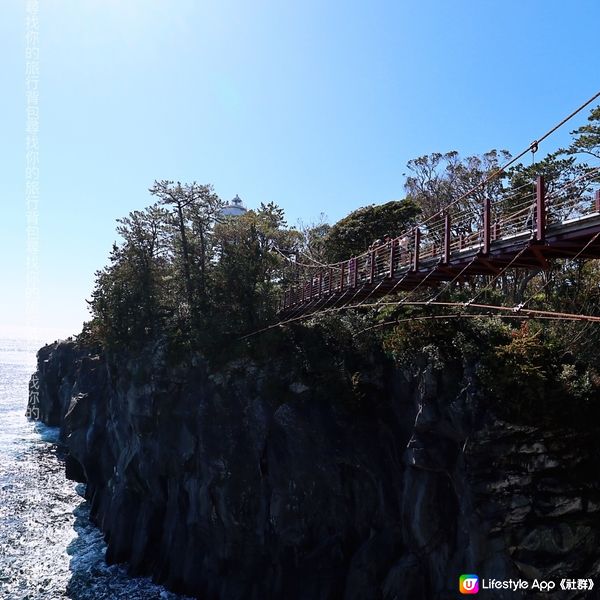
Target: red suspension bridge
x,y
525,228
531,234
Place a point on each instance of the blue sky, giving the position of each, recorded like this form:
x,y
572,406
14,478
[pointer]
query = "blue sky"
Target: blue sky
x,y
314,105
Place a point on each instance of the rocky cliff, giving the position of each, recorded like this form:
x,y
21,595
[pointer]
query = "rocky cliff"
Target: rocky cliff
x,y
307,479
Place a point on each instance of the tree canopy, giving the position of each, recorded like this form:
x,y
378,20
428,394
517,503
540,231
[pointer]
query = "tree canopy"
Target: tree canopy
x,y
587,137
185,273
353,234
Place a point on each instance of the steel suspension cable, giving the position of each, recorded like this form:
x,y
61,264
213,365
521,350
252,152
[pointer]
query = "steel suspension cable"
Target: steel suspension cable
x,y
525,311
590,242
498,275
458,316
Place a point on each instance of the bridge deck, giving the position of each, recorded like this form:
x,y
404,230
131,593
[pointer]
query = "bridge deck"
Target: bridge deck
x,y
398,265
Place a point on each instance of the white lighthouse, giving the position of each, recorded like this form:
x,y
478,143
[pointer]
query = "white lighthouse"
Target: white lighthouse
x,y
234,208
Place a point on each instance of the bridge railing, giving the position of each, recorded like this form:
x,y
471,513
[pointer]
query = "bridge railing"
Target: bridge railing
x,y
527,211
574,200
514,214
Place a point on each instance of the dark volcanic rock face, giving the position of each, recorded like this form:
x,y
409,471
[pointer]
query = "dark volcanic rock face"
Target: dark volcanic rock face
x,y
258,483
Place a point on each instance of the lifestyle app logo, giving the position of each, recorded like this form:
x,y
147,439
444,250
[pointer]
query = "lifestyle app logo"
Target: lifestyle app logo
x,y
468,584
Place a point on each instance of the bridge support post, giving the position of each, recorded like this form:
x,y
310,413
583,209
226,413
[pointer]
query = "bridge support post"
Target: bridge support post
x,y
320,284
392,258
372,259
354,271
446,258
487,209
540,209
597,201
416,254
342,276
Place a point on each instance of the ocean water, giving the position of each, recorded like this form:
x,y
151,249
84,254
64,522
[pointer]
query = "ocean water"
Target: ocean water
x,y
48,548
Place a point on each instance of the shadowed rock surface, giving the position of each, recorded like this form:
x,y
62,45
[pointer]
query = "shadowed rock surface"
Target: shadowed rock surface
x,y
302,480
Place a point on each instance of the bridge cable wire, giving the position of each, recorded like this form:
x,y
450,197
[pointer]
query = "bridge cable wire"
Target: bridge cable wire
x,y
357,291
408,272
531,313
526,311
399,282
303,308
299,264
473,260
532,147
502,169
396,285
318,264
454,280
346,306
404,301
574,340
318,300
458,316
569,184
498,275
446,286
532,296
408,295
519,308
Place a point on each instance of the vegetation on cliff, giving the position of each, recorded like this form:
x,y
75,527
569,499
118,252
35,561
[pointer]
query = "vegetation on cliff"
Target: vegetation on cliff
x,y
359,454
197,281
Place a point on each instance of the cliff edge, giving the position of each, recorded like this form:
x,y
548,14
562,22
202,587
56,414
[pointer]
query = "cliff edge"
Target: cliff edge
x,y
312,478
